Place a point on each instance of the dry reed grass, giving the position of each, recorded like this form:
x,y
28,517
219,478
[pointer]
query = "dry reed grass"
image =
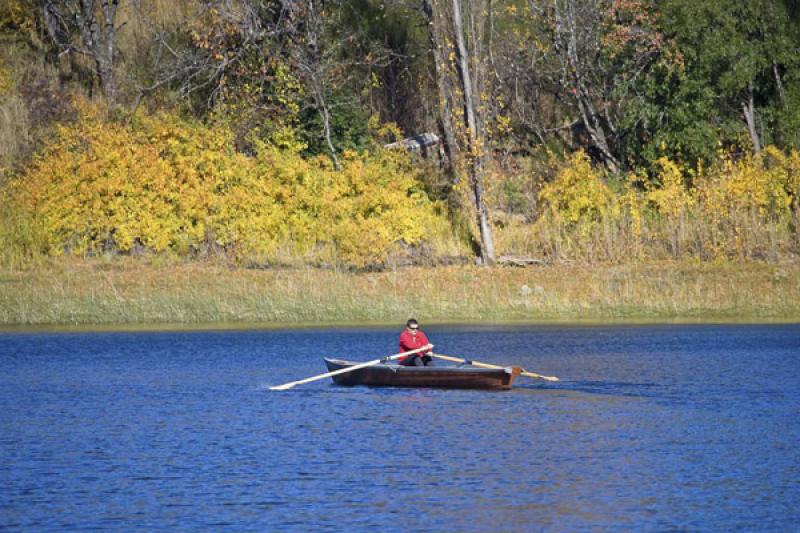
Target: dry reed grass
x,y
134,291
14,130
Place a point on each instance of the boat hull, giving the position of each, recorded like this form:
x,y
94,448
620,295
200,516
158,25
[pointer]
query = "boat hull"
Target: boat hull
x,y
444,377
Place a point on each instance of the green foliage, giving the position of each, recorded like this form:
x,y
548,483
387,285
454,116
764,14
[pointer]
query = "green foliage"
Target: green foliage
x,y
386,51
349,128
733,49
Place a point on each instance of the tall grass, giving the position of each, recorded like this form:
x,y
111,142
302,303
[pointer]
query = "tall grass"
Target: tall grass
x,y
15,126
14,130
134,291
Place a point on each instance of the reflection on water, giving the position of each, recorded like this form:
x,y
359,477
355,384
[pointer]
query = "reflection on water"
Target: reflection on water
x,y
651,428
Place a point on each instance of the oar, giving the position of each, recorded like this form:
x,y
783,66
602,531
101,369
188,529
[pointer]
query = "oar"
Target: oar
x,y
291,384
487,365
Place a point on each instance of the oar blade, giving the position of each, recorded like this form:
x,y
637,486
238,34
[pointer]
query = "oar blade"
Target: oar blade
x,y
285,386
487,365
534,375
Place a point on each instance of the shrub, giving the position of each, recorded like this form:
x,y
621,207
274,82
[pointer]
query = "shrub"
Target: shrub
x,y
577,208
161,183
744,208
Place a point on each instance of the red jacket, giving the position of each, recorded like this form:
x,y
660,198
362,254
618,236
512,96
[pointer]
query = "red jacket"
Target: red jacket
x,y
412,342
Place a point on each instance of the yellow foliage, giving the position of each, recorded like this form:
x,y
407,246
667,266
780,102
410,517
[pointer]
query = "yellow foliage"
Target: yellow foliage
x,y
6,82
577,209
578,194
745,207
386,132
672,198
747,203
750,184
161,183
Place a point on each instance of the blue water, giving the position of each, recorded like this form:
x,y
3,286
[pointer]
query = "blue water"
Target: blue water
x,y
652,428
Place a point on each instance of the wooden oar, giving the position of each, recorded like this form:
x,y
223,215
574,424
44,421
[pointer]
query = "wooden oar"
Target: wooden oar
x,y
291,384
487,365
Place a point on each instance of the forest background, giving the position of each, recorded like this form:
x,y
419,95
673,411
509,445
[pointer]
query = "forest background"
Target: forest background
x,y
202,161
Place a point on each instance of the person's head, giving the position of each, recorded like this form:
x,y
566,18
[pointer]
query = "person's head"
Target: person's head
x,y
412,325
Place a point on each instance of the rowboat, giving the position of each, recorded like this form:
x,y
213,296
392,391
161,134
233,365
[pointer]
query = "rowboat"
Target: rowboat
x,y
444,377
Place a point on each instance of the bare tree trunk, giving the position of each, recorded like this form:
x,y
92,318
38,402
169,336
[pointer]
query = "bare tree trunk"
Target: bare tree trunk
x,y
475,146
319,97
749,110
588,112
98,37
445,124
106,48
576,71
596,133
99,40
779,83
313,62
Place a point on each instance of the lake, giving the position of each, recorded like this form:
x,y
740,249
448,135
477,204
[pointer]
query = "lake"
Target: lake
x,y
651,428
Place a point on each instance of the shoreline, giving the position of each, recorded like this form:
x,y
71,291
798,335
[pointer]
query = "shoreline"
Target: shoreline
x,y
293,326
127,294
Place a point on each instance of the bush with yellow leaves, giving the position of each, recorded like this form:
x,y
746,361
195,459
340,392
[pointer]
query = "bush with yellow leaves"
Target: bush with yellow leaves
x,y
747,205
674,205
164,184
738,208
579,213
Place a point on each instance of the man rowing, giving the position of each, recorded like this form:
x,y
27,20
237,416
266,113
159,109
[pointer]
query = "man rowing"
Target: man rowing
x,y
413,338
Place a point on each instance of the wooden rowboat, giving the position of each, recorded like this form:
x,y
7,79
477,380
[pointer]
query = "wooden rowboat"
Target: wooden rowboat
x,y
444,377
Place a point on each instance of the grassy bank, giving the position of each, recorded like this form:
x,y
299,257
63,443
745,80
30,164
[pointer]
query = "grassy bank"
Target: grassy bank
x,y
124,292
